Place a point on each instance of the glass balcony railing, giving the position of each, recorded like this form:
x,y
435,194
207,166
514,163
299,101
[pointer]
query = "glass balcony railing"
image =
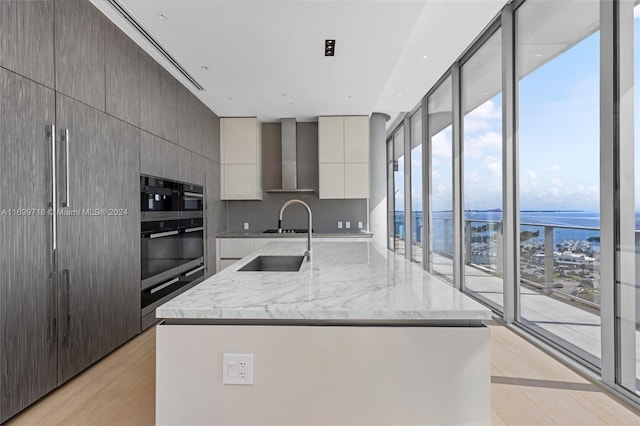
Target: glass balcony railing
x,y
554,259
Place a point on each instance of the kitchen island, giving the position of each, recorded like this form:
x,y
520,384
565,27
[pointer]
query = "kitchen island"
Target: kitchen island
x,y
359,335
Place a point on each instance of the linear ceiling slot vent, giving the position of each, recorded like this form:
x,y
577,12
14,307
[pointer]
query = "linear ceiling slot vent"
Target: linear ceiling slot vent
x,y
138,27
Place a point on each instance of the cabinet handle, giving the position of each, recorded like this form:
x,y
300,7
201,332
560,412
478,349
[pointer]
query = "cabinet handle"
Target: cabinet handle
x,y
51,134
67,331
163,234
193,271
193,194
52,305
65,139
165,285
199,228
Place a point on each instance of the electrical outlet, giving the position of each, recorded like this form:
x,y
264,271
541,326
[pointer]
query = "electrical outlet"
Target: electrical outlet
x,y
360,225
348,225
246,226
339,225
237,369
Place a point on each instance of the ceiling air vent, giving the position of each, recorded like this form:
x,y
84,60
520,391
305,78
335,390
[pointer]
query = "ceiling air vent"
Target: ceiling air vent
x,y
329,47
140,29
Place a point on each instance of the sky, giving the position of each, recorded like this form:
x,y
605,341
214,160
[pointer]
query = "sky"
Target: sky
x,y
558,135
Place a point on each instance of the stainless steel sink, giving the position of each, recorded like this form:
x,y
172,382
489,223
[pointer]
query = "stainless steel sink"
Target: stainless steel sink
x,y
274,264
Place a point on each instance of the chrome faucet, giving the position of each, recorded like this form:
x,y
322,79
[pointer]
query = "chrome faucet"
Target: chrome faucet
x,y
307,253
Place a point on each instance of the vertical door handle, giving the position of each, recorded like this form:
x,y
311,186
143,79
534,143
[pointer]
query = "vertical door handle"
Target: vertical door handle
x,y
67,326
65,139
51,134
52,305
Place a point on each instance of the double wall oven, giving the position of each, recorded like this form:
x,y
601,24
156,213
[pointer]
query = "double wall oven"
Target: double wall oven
x,y
172,241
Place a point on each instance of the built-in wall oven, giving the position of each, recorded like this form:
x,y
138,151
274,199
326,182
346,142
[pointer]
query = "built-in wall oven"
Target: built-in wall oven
x,y
172,241
159,197
192,198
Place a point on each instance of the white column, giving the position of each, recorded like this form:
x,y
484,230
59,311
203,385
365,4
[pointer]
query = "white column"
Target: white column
x,y
378,178
510,201
608,99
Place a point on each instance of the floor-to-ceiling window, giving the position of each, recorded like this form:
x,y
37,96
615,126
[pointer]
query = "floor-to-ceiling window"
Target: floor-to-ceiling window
x,y
417,219
390,204
440,116
481,79
628,300
567,173
557,54
395,190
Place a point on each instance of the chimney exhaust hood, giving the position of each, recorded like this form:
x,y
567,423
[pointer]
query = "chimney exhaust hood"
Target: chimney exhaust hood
x,y
289,159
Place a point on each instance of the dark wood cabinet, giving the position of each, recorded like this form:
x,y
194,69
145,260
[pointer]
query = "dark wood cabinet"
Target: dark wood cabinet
x,y
64,65
170,158
185,165
211,141
79,52
212,200
189,121
28,287
26,39
151,154
158,99
122,75
99,254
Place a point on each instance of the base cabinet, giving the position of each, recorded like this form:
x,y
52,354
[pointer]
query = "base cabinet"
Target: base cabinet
x,y
330,375
230,250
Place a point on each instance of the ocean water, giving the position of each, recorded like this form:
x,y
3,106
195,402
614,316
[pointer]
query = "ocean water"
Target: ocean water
x,y
569,225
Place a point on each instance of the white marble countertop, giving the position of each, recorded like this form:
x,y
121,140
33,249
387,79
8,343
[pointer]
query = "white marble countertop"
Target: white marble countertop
x,y
346,281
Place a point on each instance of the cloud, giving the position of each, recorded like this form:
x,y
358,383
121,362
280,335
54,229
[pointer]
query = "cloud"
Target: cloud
x,y
472,178
636,12
441,145
483,117
476,147
559,196
552,168
493,165
531,175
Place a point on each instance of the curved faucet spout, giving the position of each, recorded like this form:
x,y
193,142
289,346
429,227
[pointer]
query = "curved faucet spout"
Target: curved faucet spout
x,y
309,223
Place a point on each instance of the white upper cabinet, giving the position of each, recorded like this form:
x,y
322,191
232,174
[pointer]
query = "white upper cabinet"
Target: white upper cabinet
x,y
239,137
240,157
356,139
343,156
331,139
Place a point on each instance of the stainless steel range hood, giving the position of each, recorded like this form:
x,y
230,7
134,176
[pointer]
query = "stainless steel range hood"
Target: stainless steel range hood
x,y
289,159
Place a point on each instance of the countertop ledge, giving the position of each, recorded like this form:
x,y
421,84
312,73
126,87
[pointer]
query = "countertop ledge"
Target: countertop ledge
x,y
357,281
313,236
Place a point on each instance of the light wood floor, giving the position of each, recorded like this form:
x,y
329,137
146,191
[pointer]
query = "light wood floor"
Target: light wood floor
x,y
528,388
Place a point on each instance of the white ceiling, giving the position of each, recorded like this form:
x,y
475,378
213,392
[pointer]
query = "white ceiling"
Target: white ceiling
x,y
266,58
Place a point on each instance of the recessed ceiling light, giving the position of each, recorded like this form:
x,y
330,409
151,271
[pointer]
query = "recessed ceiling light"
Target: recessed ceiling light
x,y
424,56
399,94
538,55
204,68
329,47
161,16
